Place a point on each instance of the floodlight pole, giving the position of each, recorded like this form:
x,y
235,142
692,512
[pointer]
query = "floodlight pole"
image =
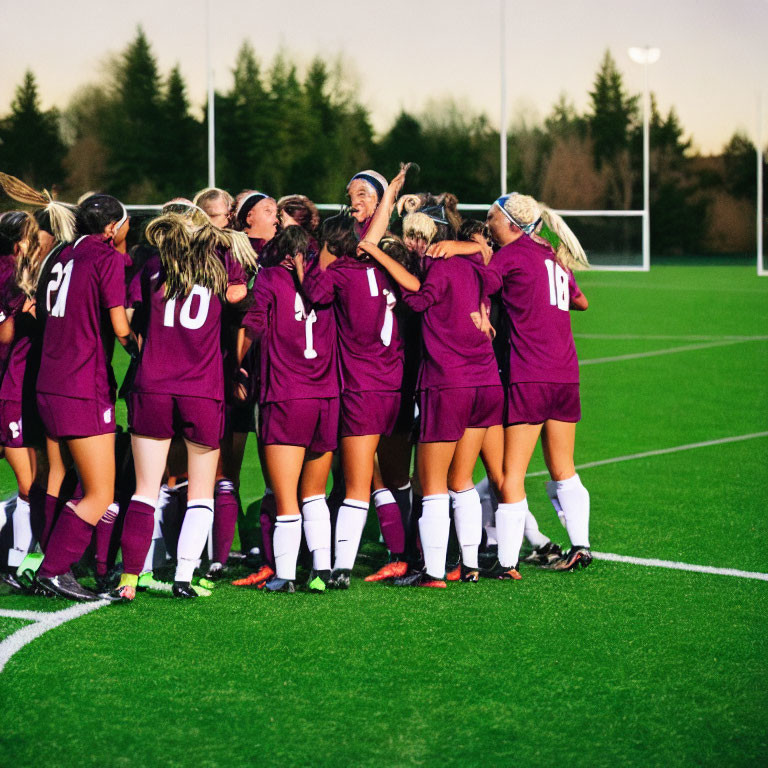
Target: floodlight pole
x,y
646,56
761,270
503,117
211,107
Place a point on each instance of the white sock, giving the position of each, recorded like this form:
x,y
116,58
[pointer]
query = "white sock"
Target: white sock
x,y
349,528
574,500
510,525
434,527
552,493
383,496
23,540
317,531
286,541
468,519
194,531
535,537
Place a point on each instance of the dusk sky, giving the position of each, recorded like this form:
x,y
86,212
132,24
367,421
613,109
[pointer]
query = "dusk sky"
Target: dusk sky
x,y
714,54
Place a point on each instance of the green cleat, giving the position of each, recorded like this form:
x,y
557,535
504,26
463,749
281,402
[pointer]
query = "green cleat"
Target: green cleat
x,y
200,590
147,581
25,573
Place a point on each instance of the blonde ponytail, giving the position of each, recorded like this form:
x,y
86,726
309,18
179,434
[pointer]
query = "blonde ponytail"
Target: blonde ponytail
x,y
569,250
61,215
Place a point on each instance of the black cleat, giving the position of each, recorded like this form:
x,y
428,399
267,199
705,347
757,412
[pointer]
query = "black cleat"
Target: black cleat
x,y
183,589
498,571
318,581
66,586
544,555
124,594
339,579
470,575
11,580
577,556
216,572
276,584
419,579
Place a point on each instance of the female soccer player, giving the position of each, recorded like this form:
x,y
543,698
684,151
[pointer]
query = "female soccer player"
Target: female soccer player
x,y
182,289
74,390
370,357
217,204
298,407
538,291
460,394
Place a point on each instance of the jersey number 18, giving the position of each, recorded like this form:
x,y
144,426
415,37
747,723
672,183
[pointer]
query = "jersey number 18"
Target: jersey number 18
x,y
558,285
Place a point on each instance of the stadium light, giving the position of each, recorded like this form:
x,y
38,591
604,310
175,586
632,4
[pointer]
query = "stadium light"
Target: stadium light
x,y
503,116
211,115
646,56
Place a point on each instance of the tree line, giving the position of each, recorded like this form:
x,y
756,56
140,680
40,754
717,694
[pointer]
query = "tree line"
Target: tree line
x,y
134,134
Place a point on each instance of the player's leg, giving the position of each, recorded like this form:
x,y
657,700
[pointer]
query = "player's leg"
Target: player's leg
x,y
202,461
391,525
317,517
519,443
467,509
23,463
570,497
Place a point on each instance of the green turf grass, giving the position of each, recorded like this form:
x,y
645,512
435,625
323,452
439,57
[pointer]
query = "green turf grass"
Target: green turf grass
x,y
615,665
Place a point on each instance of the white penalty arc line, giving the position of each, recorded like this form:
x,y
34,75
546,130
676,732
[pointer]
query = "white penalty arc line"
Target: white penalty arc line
x,y
660,452
678,566
668,351
42,622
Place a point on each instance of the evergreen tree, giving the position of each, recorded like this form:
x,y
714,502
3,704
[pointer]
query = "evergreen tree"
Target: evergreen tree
x,y
31,146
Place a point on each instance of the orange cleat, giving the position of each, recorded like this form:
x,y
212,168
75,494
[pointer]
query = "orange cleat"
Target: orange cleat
x,y
257,579
433,583
390,571
455,574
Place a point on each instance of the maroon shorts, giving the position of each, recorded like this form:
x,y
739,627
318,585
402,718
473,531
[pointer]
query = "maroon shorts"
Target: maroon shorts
x,y
446,413
368,413
312,422
11,434
197,419
535,402
70,417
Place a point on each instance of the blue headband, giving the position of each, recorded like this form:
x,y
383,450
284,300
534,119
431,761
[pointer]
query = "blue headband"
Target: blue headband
x,y
378,187
528,229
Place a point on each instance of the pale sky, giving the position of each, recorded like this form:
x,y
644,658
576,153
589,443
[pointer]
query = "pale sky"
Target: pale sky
x,y
714,54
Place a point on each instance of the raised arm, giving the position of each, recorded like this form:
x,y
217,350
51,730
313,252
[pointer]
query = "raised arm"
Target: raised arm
x,y
398,272
380,220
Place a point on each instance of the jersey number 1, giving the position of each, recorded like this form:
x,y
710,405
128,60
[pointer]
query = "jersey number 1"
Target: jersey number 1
x,y
300,313
558,285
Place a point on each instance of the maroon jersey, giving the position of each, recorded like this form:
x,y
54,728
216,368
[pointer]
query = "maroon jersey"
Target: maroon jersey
x,y
370,347
181,354
456,352
85,279
297,340
12,372
7,282
536,292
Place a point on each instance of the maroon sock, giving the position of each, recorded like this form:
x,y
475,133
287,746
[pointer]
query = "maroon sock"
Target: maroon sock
x,y
67,544
104,529
137,535
224,519
49,511
268,513
391,524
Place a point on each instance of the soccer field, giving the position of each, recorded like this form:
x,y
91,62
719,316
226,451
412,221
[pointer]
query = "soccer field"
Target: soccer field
x,y
624,663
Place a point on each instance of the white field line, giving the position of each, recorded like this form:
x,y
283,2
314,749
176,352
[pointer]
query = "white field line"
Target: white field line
x,y
678,566
42,622
668,351
660,452
665,337
655,287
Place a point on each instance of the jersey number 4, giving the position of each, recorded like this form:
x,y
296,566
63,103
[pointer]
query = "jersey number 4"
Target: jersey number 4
x,y
558,285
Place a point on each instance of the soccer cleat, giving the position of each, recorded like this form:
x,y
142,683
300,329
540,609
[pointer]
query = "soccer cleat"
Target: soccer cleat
x,y
147,581
25,573
276,584
545,555
205,583
124,594
577,556
183,590
66,586
200,590
454,575
469,575
255,579
419,579
318,581
392,570
215,572
339,579
12,581
498,571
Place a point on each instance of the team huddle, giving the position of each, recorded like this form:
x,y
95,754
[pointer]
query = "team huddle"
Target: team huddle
x,y
387,347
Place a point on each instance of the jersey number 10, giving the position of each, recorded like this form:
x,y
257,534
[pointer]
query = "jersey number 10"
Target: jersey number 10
x,y
558,285
185,316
